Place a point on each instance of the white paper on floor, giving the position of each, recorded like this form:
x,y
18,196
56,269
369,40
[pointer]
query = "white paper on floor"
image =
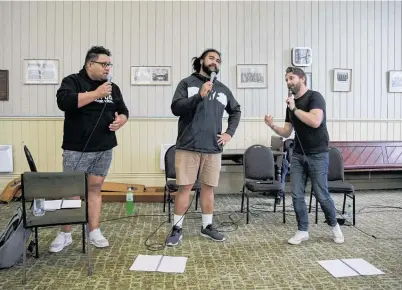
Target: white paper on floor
x,y
159,263
349,267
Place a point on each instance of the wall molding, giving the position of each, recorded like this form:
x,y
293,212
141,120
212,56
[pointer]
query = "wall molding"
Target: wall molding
x,y
175,119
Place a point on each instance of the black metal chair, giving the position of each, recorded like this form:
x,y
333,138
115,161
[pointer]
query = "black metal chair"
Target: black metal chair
x,y
288,146
55,186
336,183
32,167
31,162
170,180
259,176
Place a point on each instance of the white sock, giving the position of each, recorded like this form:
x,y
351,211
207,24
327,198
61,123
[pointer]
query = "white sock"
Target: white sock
x,y
178,220
206,220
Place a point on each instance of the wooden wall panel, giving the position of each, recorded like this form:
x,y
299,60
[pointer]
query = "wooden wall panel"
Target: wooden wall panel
x,y
362,35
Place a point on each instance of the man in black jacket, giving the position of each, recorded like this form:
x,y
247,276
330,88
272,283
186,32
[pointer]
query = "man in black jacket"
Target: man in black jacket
x,y
94,109
200,104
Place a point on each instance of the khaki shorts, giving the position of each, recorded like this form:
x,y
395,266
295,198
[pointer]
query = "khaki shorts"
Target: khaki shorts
x,y
187,164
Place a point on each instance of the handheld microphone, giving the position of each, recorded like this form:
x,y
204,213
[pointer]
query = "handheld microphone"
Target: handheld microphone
x,y
290,94
213,77
109,78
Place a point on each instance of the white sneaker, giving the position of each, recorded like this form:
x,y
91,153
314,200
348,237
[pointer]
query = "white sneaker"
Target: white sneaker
x,y
337,234
299,237
62,240
96,238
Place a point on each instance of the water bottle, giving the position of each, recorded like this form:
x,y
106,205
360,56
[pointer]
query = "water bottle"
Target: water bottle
x,y
39,207
349,212
130,201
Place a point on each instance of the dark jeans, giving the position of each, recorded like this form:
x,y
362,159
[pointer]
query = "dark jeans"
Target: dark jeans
x,y
317,169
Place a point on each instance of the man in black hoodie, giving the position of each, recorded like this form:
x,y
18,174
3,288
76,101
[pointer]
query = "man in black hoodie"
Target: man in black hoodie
x,y
94,109
200,104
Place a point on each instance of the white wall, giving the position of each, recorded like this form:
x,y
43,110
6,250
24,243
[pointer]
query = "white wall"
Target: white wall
x,y
363,36
342,34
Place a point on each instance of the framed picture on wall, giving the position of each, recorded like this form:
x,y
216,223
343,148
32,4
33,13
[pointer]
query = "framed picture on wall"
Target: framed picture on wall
x,y
151,75
4,85
251,76
302,56
342,80
41,71
395,81
309,80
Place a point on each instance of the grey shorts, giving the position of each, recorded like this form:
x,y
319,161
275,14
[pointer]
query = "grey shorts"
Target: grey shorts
x,y
93,163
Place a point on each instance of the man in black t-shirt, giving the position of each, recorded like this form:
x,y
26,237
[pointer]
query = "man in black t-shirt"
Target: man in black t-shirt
x,y
307,115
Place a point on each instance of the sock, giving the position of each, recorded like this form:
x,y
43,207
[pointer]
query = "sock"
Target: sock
x,y
206,220
178,220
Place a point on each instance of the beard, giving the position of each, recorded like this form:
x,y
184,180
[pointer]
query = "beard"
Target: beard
x,y
209,69
295,88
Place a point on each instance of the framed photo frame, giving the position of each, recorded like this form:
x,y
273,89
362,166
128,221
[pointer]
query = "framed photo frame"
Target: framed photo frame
x,y
151,75
41,71
302,56
309,80
395,81
4,85
251,76
342,80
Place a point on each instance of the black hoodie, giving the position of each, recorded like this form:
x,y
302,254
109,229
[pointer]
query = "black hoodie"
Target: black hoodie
x,y
201,118
79,122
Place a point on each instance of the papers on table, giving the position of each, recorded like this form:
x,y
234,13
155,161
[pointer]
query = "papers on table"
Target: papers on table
x,y
349,268
159,263
52,205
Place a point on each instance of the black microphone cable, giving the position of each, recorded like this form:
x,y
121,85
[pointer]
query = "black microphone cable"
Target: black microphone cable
x,y
161,246
109,79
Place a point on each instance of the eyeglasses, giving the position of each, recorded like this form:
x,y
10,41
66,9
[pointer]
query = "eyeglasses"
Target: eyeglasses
x,y
103,64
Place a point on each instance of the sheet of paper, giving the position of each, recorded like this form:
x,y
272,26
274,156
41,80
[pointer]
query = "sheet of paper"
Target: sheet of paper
x,y
362,267
172,264
337,268
146,263
71,203
52,205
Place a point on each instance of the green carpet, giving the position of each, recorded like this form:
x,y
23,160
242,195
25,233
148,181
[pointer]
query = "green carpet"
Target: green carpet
x,y
254,256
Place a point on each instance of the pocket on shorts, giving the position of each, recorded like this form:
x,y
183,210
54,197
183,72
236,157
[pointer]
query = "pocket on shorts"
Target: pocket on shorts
x,y
70,159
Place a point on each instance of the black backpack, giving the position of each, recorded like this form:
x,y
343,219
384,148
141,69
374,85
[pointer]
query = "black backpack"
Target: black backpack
x,y
12,241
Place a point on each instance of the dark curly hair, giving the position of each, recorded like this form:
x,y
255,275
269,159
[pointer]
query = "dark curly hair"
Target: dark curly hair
x,y
94,52
197,60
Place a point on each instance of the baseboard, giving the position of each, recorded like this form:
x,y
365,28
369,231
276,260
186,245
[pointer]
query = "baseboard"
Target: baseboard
x,y
227,185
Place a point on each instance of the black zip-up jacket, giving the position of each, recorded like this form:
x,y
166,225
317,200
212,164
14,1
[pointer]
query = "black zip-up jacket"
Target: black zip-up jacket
x,y
201,118
79,122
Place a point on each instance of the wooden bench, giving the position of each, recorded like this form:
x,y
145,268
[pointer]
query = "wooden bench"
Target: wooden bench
x,y
370,156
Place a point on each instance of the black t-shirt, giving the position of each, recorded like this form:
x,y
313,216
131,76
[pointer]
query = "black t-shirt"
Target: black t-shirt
x,y
313,140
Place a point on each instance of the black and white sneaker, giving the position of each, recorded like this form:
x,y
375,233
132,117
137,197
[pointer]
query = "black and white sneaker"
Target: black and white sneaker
x,y
175,237
212,233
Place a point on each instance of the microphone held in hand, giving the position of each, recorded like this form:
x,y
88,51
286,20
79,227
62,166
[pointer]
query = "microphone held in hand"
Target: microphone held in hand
x,y
290,94
109,78
213,77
